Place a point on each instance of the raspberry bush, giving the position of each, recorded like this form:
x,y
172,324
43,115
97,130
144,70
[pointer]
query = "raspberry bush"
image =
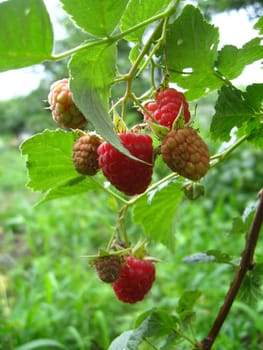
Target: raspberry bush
x,y
179,49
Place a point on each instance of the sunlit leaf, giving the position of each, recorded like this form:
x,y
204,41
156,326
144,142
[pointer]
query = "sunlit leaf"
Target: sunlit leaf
x,y
259,25
156,212
138,11
97,17
92,75
232,61
231,110
79,185
191,53
50,166
26,35
122,341
49,159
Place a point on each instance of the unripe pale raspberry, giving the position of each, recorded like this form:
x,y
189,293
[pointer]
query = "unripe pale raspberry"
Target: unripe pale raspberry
x,y
85,156
108,268
166,107
64,110
184,151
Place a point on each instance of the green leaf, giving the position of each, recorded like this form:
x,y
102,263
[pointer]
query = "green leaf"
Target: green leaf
x,y
254,129
155,322
254,96
238,226
78,185
26,36
251,291
232,109
138,11
134,53
121,342
92,75
156,212
49,159
50,166
251,314
259,25
41,343
191,53
219,257
232,61
186,303
96,17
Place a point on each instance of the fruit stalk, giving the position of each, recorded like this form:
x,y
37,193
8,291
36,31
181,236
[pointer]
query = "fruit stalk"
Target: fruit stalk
x,y
246,264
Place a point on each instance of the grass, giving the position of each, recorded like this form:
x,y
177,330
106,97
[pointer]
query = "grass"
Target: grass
x,y
50,297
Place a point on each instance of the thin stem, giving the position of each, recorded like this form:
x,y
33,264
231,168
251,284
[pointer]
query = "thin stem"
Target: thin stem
x,y
149,343
132,71
116,195
185,337
246,264
151,188
120,226
219,157
114,38
142,107
160,41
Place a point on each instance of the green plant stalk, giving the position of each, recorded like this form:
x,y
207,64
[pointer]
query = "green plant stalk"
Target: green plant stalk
x,y
182,335
111,39
129,77
121,227
221,156
114,194
160,41
246,264
136,101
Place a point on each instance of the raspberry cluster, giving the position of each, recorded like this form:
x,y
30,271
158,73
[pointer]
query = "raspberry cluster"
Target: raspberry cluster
x,y
178,144
181,148
131,277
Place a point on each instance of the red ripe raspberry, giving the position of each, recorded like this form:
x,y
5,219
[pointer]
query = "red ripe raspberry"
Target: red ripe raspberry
x,y
186,153
108,268
136,279
126,174
166,107
85,157
64,110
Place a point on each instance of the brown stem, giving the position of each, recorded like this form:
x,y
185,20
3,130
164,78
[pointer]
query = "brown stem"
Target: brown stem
x,y
246,264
